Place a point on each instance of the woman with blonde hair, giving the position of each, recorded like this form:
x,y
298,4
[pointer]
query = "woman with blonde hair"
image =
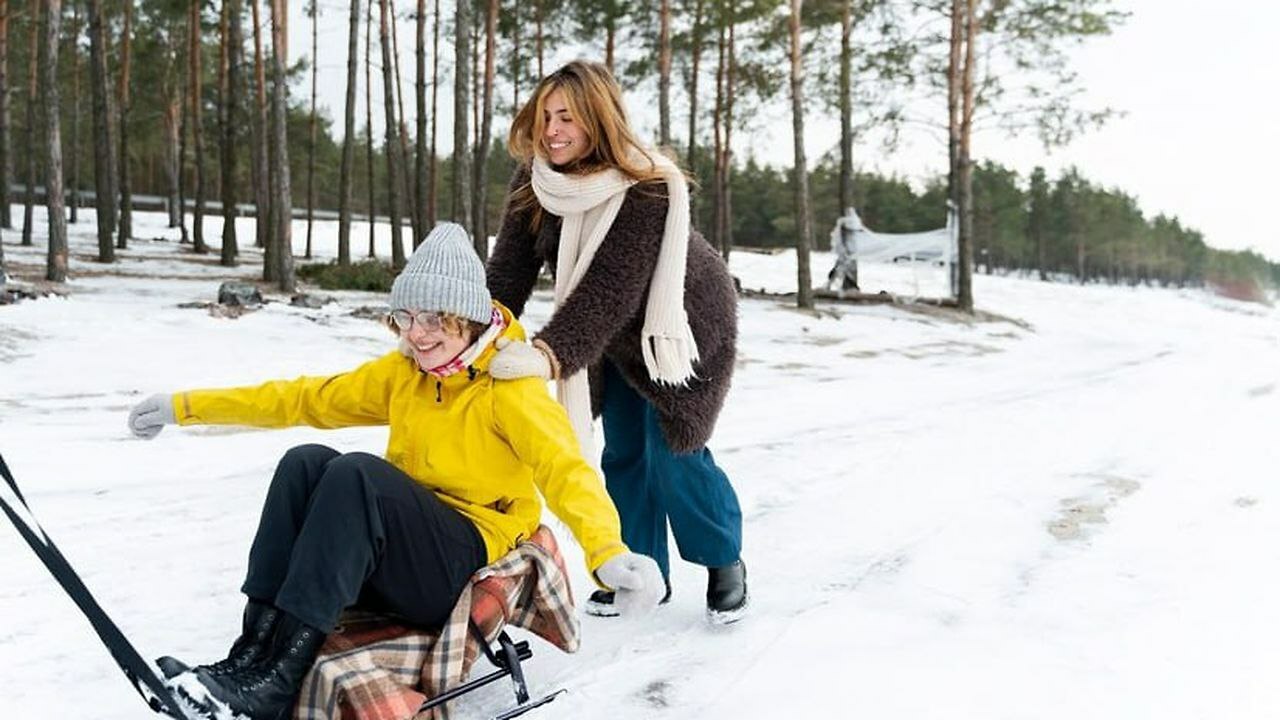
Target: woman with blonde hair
x,y
645,327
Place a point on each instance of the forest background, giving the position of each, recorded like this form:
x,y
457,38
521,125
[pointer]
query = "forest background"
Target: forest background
x,y
204,106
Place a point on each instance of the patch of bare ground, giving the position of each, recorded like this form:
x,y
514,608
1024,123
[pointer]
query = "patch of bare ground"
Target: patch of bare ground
x,y
1079,517
916,309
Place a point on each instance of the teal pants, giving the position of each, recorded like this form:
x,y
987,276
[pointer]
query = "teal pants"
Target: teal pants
x,y
653,486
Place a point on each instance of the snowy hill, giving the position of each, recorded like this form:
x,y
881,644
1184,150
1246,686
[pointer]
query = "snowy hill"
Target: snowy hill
x,y
1073,513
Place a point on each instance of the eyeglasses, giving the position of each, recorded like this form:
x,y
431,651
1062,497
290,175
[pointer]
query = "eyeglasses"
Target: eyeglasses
x,y
428,320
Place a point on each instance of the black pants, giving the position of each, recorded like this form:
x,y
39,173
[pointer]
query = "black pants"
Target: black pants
x,y
353,530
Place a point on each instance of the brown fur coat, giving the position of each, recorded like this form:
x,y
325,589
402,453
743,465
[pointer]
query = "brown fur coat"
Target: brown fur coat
x,y
603,316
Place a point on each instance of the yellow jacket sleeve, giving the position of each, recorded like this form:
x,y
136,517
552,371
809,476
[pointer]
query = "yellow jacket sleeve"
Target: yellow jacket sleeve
x,y
358,397
538,429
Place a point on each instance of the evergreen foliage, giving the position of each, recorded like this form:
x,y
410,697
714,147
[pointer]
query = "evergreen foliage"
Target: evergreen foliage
x,y
371,275
1065,227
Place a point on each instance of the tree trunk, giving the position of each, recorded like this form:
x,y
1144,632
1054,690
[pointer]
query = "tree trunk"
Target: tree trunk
x,y
197,126
104,161
664,73
73,167
717,134
955,71
311,139
432,165
537,34
696,52
420,122
461,94
28,208
171,124
480,218
1037,200
610,40
348,139
311,130
232,40
282,201
125,230
265,232
171,121
368,117
850,279
964,297
476,21
183,123
406,185
392,142
804,281
6,160
726,164
515,58
1080,256
56,270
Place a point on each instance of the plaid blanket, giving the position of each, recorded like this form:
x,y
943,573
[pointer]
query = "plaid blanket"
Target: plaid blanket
x,y
373,669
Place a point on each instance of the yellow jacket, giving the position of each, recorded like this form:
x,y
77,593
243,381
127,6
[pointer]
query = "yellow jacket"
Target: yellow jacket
x,y
480,444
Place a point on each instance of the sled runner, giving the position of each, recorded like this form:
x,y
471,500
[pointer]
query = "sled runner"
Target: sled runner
x,y
507,660
371,667
140,674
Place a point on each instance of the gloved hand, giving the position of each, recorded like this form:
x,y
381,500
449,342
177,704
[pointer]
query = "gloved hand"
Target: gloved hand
x,y
636,581
519,359
149,417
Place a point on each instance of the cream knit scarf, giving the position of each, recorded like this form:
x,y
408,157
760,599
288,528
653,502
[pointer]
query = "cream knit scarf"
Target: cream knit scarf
x,y
666,340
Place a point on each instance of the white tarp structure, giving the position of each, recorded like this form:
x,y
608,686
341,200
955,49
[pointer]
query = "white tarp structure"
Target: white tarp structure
x,y
854,242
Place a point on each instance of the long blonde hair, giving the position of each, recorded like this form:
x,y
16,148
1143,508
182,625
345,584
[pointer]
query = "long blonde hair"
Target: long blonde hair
x,y
594,99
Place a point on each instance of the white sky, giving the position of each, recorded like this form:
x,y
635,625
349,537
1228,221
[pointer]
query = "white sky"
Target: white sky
x,y
1198,139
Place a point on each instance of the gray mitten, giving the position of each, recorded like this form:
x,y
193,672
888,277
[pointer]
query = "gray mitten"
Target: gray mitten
x,y
636,582
149,417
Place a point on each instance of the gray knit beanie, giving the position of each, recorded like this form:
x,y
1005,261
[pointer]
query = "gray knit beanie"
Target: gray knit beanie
x,y
444,275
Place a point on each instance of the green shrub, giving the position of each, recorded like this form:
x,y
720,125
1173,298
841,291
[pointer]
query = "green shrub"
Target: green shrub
x,y
370,275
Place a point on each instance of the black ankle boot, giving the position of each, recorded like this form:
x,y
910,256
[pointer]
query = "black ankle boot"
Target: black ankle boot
x,y
265,691
727,593
257,627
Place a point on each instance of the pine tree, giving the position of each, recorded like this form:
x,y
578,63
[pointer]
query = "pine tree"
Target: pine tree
x,y
51,18
392,143
800,181
125,228
461,197
348,139
6,159
282,197
228,107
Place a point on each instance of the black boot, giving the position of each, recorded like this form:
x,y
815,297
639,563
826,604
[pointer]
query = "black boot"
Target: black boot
x,y
727,593
266,691
600,603
257,627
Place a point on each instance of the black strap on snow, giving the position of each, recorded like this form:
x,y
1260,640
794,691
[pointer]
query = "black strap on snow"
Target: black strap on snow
x,y
139,673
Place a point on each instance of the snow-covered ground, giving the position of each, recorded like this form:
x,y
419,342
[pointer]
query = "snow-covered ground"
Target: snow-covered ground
x,y
1074,513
